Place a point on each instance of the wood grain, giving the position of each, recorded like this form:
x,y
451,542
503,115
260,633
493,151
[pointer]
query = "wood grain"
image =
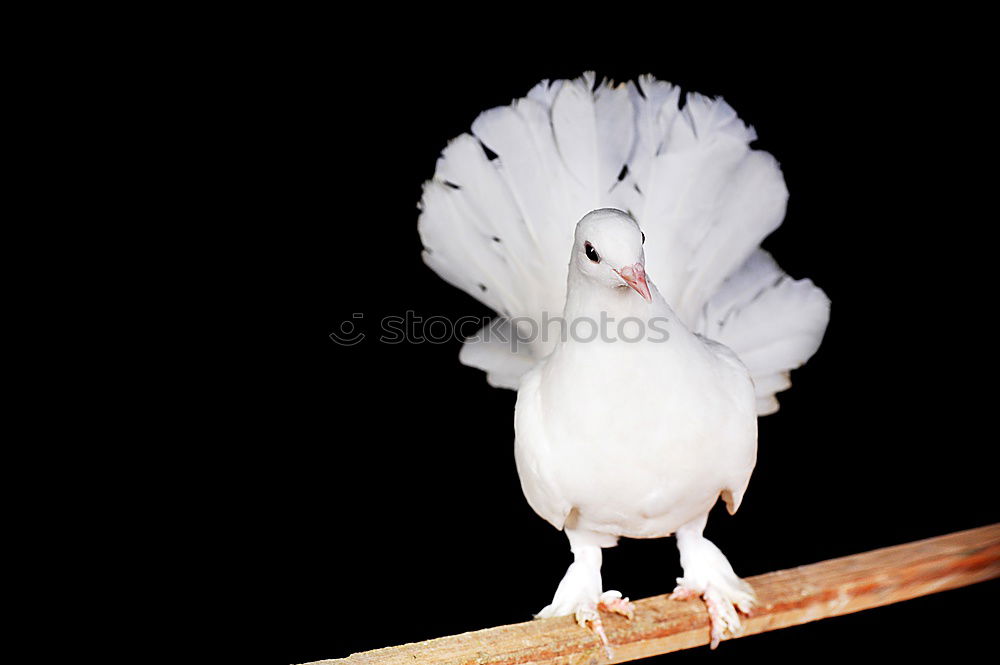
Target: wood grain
x,y
787,598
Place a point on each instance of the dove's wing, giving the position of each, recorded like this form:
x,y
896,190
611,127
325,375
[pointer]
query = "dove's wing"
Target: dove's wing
x,y
532,453
498,217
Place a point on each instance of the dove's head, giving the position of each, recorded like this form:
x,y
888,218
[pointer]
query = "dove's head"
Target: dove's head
x,y
608,251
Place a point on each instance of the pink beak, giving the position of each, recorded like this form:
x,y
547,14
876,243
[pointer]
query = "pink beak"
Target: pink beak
x,y
635,276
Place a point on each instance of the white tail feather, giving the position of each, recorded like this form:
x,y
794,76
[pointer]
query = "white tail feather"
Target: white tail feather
x,y
501,229
772,322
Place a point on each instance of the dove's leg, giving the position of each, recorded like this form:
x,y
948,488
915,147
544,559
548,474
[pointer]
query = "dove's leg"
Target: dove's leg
x,y
707,573
579,593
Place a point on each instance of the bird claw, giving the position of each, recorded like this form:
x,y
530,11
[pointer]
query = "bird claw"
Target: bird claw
x,y
612,601
589,615
683,593
722,608
725,620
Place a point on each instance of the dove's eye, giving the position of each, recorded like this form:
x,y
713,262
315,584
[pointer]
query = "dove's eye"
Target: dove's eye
x,y
591,252
643,238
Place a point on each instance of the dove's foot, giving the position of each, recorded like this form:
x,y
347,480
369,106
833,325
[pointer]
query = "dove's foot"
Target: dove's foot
x,y
609,601
579,592
707,573
722,603
588,614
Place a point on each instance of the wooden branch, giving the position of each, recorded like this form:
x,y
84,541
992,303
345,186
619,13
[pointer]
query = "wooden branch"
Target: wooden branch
x,y
787,598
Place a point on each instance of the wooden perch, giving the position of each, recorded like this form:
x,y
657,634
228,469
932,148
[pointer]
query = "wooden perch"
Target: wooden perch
x,y
787,598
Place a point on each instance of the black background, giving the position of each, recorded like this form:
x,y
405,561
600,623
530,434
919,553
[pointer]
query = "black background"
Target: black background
x,y
378,501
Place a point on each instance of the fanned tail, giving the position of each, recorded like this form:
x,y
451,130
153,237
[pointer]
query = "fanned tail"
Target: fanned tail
x,y
498,217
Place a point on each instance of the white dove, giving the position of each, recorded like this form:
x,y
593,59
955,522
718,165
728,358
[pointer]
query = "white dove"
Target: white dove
x,y
635,437
634,423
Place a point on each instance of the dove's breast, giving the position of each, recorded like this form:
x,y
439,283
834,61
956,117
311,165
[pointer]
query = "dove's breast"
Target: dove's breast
x,y
640,443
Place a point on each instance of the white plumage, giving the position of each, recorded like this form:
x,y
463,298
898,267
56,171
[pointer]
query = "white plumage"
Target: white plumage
x,y
626,439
